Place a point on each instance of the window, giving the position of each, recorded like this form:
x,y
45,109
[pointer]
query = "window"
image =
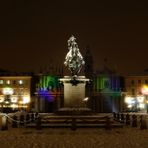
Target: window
x,y
139,81
1,81
20,82
1,99
21,91
14,82
8,82
26,91
132,82
146,81
15,92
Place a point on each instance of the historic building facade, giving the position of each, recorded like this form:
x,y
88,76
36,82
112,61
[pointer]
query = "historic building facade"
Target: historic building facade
x,y
15,92
107,87
136,86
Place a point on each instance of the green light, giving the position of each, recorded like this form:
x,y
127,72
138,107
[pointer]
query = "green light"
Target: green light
x,y
49,82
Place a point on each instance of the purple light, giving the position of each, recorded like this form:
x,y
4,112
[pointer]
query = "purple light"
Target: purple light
x,y
47,94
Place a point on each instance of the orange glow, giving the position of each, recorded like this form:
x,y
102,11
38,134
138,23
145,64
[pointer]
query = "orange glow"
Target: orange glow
x,y
144,90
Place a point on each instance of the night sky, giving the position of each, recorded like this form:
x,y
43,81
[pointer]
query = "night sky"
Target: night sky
x,y
34,34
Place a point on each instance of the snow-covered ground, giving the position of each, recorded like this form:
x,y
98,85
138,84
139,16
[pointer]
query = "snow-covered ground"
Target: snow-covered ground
x,y
126,137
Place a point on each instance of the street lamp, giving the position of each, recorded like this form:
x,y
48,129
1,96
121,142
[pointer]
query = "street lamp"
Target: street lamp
x,y
144,91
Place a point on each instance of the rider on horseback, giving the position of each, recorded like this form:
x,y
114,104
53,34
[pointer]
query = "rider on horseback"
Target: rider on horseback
x,y
74,59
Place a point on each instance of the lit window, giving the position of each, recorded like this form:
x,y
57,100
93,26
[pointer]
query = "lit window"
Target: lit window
x,y
1,81
7,91
20,82
14,99
8,82
26,99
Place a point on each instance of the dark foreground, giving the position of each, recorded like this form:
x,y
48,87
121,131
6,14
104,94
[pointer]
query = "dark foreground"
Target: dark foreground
x,y
126,137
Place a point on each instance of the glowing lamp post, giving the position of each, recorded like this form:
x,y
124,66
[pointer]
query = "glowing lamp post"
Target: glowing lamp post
x,y
144,91
131,102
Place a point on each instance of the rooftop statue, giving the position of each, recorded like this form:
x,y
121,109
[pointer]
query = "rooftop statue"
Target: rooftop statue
x,y
73,59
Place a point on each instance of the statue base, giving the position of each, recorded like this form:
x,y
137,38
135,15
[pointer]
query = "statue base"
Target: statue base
x,y
74,94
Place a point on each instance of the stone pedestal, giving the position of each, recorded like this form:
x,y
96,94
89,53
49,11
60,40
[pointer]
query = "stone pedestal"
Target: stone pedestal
x,y
74,91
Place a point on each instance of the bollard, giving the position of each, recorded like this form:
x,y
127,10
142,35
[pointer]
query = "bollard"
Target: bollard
x,y
122,118
118,117
114,115
142,123
134,121
108,124
27,118
127,119
73,124
22,120
14,122
38,123
36,115
4,123
32,117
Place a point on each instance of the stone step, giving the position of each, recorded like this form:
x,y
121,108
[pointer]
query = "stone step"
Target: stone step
x,y
77,125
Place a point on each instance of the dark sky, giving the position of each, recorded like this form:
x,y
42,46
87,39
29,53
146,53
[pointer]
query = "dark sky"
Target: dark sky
x,y
34,33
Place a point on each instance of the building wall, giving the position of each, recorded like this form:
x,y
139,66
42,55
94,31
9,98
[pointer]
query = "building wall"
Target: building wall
x,y
133,84
135,99
15,92
107,93
47,93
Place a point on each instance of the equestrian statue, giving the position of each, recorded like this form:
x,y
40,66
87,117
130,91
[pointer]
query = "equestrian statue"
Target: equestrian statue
x,y
73,60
